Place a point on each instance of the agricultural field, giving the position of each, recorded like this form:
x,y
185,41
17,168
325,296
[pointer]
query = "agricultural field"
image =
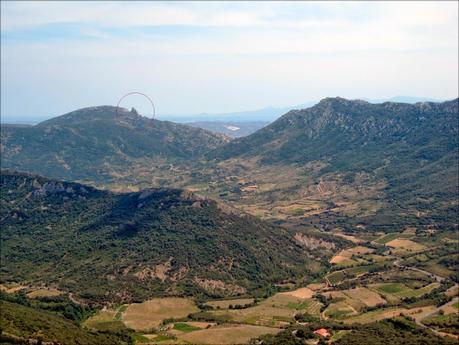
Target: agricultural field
x,y
338,277
276,310
447,323
386,313
227,303
107,319
150,314
348,257
350,302
339,311
392,236
395,292
403,246
226,334
367,297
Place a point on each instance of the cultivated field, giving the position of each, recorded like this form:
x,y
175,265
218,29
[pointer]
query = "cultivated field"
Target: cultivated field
x,y
406,245
339,310
344,257
392,236
275,310
225,304
395,292
365,296
107,319
376,315
299,293
337,277
227,334
150,314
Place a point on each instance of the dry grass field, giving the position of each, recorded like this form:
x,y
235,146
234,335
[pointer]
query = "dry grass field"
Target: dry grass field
x,y
341,260
227,334
340,310
150,314
344,257
365,296
405,245
225,304
376,315
351,238
316,286
44,293
275,310
299,293
12,288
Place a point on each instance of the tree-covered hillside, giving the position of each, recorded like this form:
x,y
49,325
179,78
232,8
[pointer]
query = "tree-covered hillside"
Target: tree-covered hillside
x,y
124,247
391,158
101,143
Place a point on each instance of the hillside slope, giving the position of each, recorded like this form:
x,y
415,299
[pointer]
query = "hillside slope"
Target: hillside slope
x,y
101,143
21,324
124,247
360,159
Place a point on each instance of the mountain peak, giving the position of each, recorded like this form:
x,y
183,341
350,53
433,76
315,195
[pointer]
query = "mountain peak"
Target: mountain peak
x,y
340,100
101,112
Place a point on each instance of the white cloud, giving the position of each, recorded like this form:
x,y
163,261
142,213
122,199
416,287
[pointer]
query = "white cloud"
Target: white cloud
x,y
259,53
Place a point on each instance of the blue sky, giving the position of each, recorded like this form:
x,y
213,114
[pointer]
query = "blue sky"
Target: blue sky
x,y
194,57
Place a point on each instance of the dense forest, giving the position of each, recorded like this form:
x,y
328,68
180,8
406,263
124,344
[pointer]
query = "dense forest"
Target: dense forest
x,y
126,247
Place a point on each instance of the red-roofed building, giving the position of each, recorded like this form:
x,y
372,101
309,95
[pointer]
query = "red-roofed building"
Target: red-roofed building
x,y
322,332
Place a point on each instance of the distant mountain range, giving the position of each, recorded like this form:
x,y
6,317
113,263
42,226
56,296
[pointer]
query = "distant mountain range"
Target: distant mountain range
x,y
267,114
100,141
378,164
407,154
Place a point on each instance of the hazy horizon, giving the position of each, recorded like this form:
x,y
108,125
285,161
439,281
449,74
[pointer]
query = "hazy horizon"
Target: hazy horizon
x,y
219,57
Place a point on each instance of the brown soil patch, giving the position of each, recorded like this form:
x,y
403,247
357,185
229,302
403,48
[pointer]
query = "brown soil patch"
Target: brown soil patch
x,y
340,259
334,294
316,286
345,255
359,250
224,304
299,293
12,289
365,296
405,244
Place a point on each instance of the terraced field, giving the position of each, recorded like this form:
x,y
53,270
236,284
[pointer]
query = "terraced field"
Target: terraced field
x,y
365,296
226,334
225,304
350,273
393,236
394,292
274,311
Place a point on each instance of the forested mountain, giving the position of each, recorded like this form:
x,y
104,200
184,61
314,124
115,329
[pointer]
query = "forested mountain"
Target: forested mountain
x,y
375,164
101,143
405,155
340,131
105,246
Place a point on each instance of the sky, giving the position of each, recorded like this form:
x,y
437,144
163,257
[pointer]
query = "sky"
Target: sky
x,y
195,57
